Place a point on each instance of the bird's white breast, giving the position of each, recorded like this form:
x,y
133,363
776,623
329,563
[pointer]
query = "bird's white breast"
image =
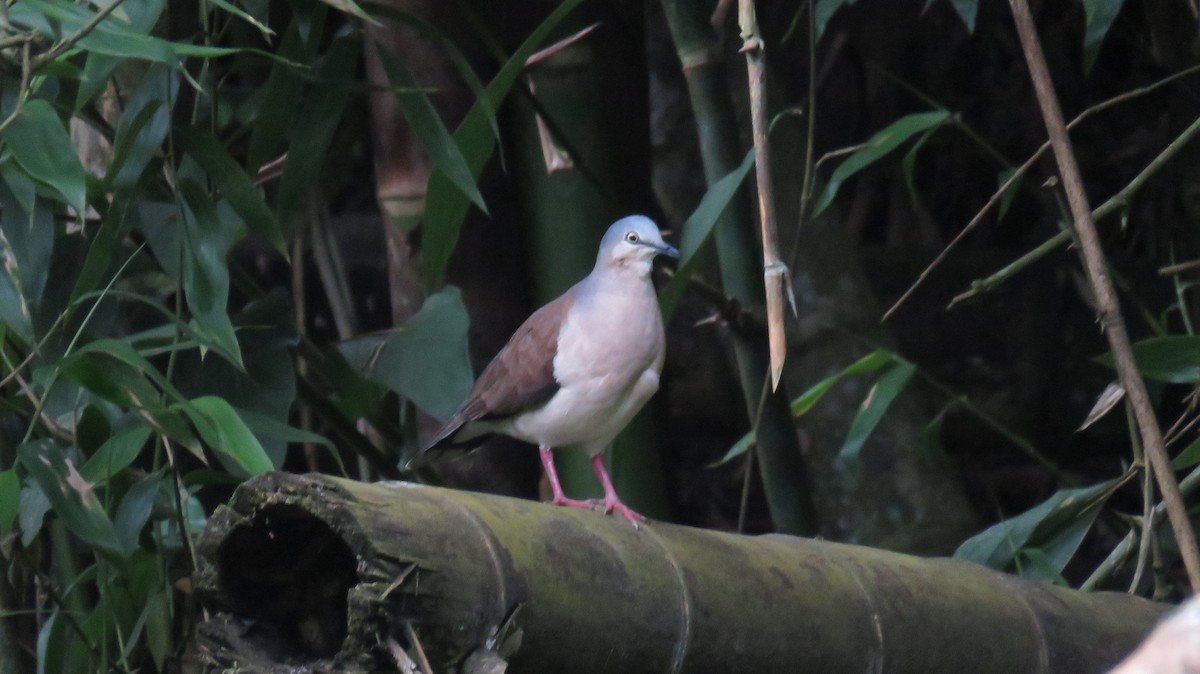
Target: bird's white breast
x,y
609,356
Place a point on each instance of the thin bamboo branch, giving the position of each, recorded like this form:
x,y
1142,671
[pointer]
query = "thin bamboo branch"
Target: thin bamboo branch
x,y
1106,297
1179,268
1059,239
43,59
1112,205
775,272
1121,552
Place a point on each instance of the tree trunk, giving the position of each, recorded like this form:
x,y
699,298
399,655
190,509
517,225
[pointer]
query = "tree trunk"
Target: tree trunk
x,y
314,573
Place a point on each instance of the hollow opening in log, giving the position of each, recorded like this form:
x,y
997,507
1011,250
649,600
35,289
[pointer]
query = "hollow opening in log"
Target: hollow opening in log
x,y
286,574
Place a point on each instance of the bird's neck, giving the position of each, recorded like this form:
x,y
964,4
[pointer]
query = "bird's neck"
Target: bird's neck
x,y
624,271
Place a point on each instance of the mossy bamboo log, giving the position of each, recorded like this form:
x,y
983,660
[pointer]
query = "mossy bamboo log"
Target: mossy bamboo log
x,y
314,573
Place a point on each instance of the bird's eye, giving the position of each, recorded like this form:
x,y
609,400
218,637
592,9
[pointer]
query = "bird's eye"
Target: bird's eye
x,y
631,237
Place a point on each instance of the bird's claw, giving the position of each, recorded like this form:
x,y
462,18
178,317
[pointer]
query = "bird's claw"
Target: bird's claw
x,y
625,511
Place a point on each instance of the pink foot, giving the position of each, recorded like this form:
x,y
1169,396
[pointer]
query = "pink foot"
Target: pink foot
x,y
613,504
573,503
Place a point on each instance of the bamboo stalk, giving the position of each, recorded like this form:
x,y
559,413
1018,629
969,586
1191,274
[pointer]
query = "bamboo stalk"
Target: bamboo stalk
x,y
1102,287
313,573
775,273
785,476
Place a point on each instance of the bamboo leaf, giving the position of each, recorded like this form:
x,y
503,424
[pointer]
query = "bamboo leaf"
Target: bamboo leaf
x,y
350,7
233,183
34,506
1174,358
207,238
889,385
10,500
72,497
40,143
1100,17
135,508
116,453
427,126
882,143
157,614
824,11
314,126
997,546
452,52
446,206
739,448
223,430
1189,457
698,230
868,363
242,14
145,121
967,11
264,426
111,37
111,378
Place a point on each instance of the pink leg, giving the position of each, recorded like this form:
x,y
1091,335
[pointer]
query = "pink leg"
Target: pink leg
x,y
559,497
611,501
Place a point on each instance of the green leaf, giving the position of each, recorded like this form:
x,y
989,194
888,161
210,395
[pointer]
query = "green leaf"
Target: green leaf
x,y
316,121
34,506
889,385
451,51
158,627
112,36
1036,565
207,238
350,7
967,11
73,498
1187,458
445,204
1174,358
10,500
739,448
427,126
40,143
1058,516
275,110
116,453
868,363
824,11
223,430
266,31
111,378
1010,192
125,353
877,147
145,121
425,360
698,230
135,508
233,183
27,246
1100,17
264,426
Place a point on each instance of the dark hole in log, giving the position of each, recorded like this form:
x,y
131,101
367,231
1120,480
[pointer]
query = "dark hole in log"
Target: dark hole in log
x,y
286,576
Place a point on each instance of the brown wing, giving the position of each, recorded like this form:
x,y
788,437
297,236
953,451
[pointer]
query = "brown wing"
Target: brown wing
x,y
519,378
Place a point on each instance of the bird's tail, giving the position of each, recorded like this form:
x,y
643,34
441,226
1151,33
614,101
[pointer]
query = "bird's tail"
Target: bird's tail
x,y
457,434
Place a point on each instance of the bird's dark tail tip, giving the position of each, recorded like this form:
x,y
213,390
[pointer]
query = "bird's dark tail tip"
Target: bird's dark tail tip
x,y
447,439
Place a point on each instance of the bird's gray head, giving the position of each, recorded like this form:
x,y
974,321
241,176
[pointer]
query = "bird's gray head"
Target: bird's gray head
x,y
632,242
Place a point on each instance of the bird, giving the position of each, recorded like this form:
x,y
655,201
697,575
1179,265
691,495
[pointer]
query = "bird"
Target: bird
x,y
578,369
